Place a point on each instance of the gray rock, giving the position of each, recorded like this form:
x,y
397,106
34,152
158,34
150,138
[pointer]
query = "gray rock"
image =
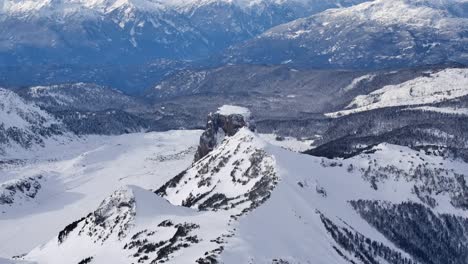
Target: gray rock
x,y
216,126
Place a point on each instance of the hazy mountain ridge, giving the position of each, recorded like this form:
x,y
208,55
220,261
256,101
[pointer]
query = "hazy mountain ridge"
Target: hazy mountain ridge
x,y
377,34
128,44
180,30
81,96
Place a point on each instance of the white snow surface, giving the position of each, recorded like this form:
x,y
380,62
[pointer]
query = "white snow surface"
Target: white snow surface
x,y
358,80
415,13
78,175
289,143
17,113
233,109
441,86
444,110
287,226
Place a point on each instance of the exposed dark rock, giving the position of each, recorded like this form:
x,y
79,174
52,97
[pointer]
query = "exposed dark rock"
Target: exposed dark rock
x,y
216,124
115,215
182,238
69,228
26,188
86,260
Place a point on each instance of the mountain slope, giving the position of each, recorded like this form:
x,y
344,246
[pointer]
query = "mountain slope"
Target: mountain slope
x,y
53,186
136,225
426,113
91,109
375,34
311,209
24,124
79,96
442,86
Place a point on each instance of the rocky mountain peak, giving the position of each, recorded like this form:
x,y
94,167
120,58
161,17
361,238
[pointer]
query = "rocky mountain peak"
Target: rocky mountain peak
x,y
225,122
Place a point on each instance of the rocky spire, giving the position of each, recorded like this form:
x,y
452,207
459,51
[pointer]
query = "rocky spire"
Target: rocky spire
x,y
225,122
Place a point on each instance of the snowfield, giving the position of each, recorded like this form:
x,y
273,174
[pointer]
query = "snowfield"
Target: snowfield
x,y
437,87
233,109
246,201
445,110
78,175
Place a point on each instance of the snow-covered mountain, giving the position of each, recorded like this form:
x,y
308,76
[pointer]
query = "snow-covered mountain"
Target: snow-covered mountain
x,y
248,201
52,187
442,86
381,33
99,32
91,109
79,96
424,113
24,124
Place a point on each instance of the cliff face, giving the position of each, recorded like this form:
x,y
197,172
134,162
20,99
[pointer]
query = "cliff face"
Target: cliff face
x,y
226,122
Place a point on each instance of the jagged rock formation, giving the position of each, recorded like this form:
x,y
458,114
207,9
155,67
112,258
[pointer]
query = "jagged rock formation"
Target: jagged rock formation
x,y
17,190
195,220
138,227
237,174
114,216
247,201
225,122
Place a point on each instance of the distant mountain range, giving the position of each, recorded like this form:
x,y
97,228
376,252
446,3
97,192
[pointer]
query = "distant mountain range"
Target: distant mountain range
x,y
135,32
372,35
129,45
132,45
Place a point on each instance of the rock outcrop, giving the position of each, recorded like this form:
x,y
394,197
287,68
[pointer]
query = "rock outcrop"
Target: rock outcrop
x,y
225,122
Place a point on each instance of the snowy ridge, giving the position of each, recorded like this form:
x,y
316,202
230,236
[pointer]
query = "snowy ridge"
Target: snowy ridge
x,y
78,175
314,200
414,13
437,87
371,35
81,96
234,178
445,110
147,229
23,124
321,203
17,113
237,174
